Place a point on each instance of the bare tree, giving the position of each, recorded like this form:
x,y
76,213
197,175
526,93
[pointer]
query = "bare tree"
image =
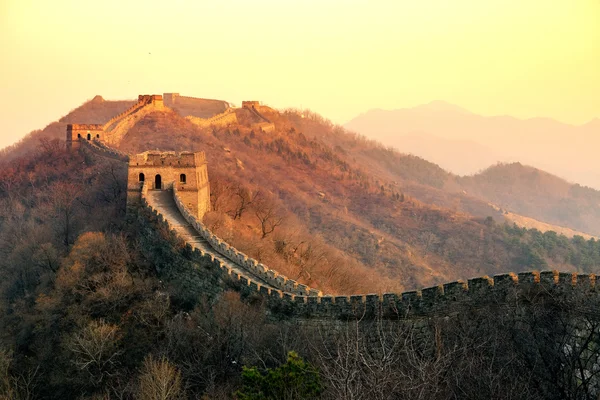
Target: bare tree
x,y
159,380
244,198
269,214
95,348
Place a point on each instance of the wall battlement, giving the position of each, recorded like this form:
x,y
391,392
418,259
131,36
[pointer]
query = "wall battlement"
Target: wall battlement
x,y
442,300
287,298
98,148
225,118
255,268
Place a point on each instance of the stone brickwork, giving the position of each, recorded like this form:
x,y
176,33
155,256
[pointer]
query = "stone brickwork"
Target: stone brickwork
x,y
185,171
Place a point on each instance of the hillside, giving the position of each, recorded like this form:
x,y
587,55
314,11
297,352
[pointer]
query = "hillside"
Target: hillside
x,y
397,215
529,191
437,130
355,216
102,303
94,111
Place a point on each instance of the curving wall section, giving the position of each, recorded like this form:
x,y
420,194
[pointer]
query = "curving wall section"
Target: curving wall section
x,y
297,300
289,299
226,118
255,268
102,150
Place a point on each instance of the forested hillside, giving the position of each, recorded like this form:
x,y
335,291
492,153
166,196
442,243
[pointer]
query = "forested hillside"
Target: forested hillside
x,y
345,206
98,303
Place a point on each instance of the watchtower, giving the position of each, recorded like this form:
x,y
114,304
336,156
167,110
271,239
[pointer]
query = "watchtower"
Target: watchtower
x,y
250,104
164,170
78,132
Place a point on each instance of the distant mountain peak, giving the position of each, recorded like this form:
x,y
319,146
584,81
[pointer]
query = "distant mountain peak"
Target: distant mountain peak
x,y
440,105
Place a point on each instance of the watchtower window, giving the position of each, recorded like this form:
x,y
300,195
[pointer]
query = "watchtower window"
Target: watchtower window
x,y
157,182
79,136
142,177
97,136
182,178
89,136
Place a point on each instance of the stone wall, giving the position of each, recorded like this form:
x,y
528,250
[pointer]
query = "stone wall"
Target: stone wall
x,y
98,148
194,106
120,128
266,125
269,276
296,301
142,101
224,119
438,301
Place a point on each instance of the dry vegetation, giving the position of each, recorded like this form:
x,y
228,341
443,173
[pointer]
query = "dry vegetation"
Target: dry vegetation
x,y
95,304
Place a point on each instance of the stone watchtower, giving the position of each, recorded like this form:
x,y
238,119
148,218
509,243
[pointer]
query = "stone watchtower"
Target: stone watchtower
x,y
78,132
164,170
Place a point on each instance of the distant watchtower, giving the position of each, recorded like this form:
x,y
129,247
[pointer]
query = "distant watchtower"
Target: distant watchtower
x,y
250,104
164,170
78,132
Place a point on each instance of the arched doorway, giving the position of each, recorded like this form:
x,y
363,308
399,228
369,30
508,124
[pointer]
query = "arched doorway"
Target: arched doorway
x,y
182,178
142,177
157,182
89,136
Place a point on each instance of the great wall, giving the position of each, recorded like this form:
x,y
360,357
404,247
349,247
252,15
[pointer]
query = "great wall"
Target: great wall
x,y
171,201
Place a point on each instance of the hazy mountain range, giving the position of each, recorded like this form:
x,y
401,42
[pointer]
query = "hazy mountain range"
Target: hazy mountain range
x,y
465,143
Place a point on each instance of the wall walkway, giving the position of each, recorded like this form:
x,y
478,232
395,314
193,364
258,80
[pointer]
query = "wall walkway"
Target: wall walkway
x,y
290,299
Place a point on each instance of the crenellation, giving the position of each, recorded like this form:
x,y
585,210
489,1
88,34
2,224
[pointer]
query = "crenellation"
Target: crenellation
x,y
529,277
411,297
372,303
432,294
549,278
586,281
508,280
389,300
326,301
455,290
567,279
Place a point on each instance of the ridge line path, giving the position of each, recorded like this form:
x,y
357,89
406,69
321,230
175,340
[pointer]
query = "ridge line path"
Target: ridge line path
x,y
164,203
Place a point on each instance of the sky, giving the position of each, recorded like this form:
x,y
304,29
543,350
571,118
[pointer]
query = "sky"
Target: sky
x,y
525,58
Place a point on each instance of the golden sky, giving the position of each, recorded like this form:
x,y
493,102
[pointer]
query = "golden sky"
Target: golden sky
x,y
524,58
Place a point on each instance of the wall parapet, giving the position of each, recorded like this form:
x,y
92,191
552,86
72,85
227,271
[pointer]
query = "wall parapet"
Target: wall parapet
x,y
98,148
142,101
225,118
249,264
441,300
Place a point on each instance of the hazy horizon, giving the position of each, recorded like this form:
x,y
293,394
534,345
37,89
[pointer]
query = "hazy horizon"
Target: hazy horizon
x,y
337,58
